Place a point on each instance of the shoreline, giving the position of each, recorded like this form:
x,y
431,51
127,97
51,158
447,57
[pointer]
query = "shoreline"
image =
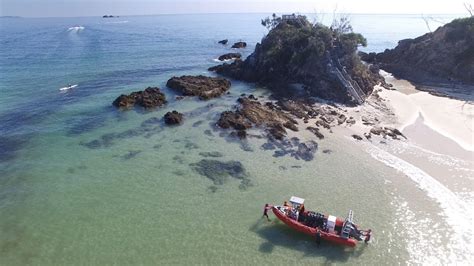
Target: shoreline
x,y
441,114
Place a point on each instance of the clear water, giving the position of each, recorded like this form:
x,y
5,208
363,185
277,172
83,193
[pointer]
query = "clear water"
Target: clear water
x,y
138,200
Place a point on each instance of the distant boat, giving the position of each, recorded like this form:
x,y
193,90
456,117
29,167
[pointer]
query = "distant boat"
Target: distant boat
x,y
109,16
68,87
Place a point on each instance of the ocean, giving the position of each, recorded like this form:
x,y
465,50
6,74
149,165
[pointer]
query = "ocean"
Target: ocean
x,y
83,183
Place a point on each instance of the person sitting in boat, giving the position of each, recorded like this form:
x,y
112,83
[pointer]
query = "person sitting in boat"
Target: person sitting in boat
x,y
265,211
286,204
293,214
302,208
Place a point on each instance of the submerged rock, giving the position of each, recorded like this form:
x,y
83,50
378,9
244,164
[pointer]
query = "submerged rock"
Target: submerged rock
x,y
224,42
306,151
149,98
130,154
202,86
214,154
173,118
220,171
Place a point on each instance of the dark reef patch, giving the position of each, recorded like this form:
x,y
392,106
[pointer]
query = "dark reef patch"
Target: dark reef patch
x,y
198,123
208,132
293,147
219,171
85,122
73,169
179,172
107,140
130,154
151,122
10,145
212,189
190,145
214,154
178,159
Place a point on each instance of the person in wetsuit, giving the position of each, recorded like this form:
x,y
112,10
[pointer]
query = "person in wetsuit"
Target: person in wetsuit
x,y
318,238
367,236
265,211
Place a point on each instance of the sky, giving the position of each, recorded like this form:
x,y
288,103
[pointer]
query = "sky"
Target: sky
x,y
72,8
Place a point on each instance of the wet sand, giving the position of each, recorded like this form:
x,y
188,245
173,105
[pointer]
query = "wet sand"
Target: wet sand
x,y
449,117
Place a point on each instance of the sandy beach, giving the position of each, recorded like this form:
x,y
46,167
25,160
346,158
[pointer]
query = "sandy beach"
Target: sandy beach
x,y
438,152
449,117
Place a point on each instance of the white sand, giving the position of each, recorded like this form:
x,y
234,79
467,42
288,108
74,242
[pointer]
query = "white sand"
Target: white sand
x,y
451,118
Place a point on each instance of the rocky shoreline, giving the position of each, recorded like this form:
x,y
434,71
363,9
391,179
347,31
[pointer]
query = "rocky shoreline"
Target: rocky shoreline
x,y
443,56
281,117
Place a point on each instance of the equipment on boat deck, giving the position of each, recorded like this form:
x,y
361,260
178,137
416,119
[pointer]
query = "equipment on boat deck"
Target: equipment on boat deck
x,y
327,227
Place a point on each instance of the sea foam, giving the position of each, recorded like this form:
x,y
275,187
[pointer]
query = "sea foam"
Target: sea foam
x,y
456,211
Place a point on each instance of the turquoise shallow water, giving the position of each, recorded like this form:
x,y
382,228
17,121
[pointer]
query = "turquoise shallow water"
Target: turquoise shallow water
x,y
138,200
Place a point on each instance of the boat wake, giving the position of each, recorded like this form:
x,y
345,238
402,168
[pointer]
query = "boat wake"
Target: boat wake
x,y
64,89
76,29
456,212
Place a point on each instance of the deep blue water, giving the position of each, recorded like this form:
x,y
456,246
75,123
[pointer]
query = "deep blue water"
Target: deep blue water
x,y
39,56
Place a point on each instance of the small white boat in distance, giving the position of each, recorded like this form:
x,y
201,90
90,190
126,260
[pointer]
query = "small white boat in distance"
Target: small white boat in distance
x,y
68,87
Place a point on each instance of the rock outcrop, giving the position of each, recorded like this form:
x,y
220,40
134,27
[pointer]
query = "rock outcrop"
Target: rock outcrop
x,y
323,60
239,45
202,86
252,113
149,98
223,42
445,55
173,118
229,56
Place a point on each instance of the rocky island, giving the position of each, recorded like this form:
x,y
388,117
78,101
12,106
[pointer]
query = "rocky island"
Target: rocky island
x,y
445,55
322,59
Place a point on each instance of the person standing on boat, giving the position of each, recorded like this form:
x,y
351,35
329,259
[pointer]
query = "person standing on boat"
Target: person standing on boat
x,y
265,211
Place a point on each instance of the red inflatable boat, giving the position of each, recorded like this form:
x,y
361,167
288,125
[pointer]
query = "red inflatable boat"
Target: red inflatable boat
x,y
327,227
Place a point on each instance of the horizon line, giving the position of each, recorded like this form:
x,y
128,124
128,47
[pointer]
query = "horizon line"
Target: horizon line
x,y
229,13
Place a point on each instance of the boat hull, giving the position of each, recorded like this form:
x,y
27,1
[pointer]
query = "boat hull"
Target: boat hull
x,y
312,231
